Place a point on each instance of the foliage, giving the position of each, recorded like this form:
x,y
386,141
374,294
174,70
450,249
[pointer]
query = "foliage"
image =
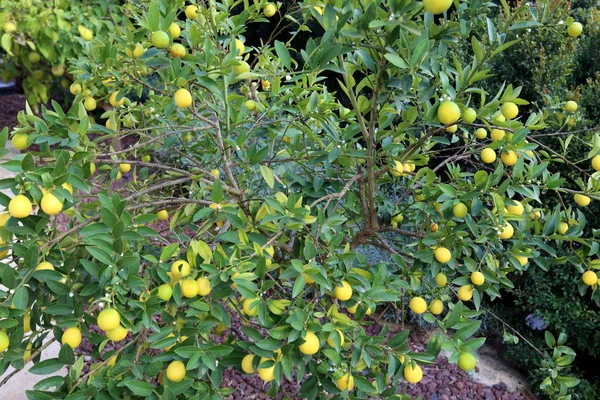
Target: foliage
x,y
284,185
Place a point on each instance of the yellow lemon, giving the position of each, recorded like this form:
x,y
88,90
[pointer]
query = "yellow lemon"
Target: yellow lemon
x,y
44,265
113,99
413,374
68,187
509,158
10,27
250,105
582,200
241,67
266,374
590,278
517,208
50,204
4,341
176,371
311,344
72,337
177,50
137,51
477,278
467,361
203,286
87,34
343,292
183,98
124,168
90,104
469,115
26,323
563,227
162,215
522,260
189,288
191,12
436,307
440,279
442,255
459,210
250,309
160,39
330,341
507,231
247,363
175,30
345,382
509,110
437,6
19,206
570,106
117,334
448,112
165,291
108,319
481,133
19,141
417,305
465,292
488,155
497,134
239,46
269,10
575,29
180,269
352,310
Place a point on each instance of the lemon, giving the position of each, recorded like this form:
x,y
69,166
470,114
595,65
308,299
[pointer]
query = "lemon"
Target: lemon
x,y
203,286
522,260
343,292
180,269
413,374
481,133
50,204
191,11
250,105
137,51
452,128
160,39
571,106
68,187
590,278
87,34
352,310
330,341
477,278
575,29
266,85
509,110
440,279
509,158
26,323
345,382
467,361
90,104
311,344
183,98
582,200
507,231
459,210
269,10
117,334
465,292
165,291
437,6
497,134
266,374
175,30
125,168
247,363
176,371
448,112
108,319
34,57
417,305
27,352
563,227
442,255
19,206
250,308
19,141
10,27
44,265
3,341
488,155
517,208
72,337
113,99
239,46
75,89
436,307
177,50
241,67
189,288
307,278
162,215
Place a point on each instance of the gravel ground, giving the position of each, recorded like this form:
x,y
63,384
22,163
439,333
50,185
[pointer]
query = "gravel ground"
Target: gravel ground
x,y
10,105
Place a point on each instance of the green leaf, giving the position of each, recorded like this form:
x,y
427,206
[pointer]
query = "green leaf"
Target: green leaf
x,y
31,395
153,16
21,298
396,60
140,388
28,163
298,285
283,54
467,331
6,43
46,367
477,50
550,341
217,191
267,174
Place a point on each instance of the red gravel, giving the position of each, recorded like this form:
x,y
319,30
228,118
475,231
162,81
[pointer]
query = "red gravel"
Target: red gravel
x,y
10,105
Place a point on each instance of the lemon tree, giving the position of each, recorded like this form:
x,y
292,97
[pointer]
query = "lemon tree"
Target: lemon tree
x,y
196,181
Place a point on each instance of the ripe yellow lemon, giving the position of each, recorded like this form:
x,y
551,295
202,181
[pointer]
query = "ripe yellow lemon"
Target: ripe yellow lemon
x,y
452,128
90,104
239,46
175,30
75,89
459,210
269,10
19,141
19,207
10,27
180,269
441,279
467,361
563,227
330,341
177,50
4,341
176,371
436,307
160,39
124,168
488,155
437,6
203,286
311,344
596,163
465,292
570,106
575,29
50,204
413,374
497,134
507,231
448,112
481,133
250,309
250,105
345,382
68,187
517,208
137,51
247,363
117,334
582,200
189,288
509,158
165,291
266,374
191,11
352,310
442,255
510,110
522,260
4,217
113,99
590,278
108,319
418,305
343,292
27,322
477,278
44,265
72,337
162,215
183,98
87,34
241,67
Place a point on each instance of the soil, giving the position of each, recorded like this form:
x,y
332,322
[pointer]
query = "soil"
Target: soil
x,y
10,106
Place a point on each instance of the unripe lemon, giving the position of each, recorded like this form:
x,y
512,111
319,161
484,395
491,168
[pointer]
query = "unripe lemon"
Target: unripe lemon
x,y
89,103
497,134
241,67
311,344
459,210
176,371
50,204
113,99
239,46
250,105
44,265
477,278
442,255
488,155
117,334
575,29
448,112
175,30
437,6
570,106
507,231
183,98
247,363
582,200
251,312
58,70
345,382
266,374
108,319
440,279
72,337
92,168
191,11
203,286
417,305
343,292
146,158
4,341
467,361
481,133
160,39
269,10
75,89
162,215
177,50
436,307
19,207
469,115
563,227
180,269
515,209
124,168
19,141
510,110
165,291
330,341
590,278
189,288
34,57
413,374
509,158
465,292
